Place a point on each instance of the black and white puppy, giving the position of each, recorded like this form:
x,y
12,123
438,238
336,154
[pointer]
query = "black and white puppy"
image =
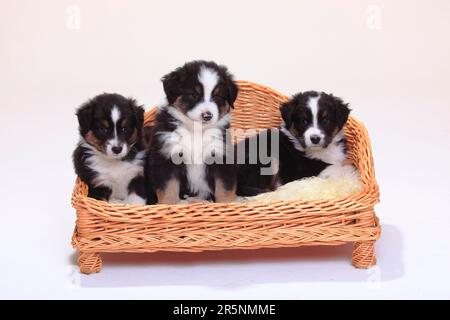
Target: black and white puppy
x,y
111,154
310,142
189,145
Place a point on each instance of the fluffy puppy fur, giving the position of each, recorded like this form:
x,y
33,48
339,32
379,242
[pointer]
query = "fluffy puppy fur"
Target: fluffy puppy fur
x,y
189,145
111,152
310,142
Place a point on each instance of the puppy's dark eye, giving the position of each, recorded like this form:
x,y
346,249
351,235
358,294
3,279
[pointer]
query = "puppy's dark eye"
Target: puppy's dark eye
x,y
125,130
102,130
192,95
219,97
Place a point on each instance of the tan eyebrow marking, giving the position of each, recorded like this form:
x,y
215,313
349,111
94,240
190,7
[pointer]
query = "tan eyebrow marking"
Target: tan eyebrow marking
x,y
93,141
105,123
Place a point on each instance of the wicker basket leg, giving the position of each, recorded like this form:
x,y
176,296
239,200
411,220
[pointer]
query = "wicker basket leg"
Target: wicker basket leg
x,y
364,254
364,251
89,262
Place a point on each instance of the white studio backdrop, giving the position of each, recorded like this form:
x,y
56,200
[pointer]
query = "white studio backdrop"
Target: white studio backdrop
x,y
388,59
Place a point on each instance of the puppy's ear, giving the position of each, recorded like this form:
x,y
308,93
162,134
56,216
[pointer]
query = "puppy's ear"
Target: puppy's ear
x,y
230,84
172,82
286,112
84,115
233,91
342,112
147,135
138,113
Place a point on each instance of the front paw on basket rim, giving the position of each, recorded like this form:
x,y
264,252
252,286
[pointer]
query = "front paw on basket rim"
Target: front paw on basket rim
x,y
190,200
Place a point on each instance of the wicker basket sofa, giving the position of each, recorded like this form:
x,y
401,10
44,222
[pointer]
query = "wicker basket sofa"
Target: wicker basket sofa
x,y
104,227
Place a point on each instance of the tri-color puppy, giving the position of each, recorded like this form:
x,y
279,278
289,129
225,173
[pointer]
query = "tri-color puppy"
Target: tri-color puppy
x,y
188,156
111,153
310,142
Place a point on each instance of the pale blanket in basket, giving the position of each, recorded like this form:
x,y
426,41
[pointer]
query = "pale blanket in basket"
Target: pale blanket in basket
x,y
346,183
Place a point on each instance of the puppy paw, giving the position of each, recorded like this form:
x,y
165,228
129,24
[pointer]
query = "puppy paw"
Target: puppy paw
x,y
134,199
194,200
228,199
116,201
337,171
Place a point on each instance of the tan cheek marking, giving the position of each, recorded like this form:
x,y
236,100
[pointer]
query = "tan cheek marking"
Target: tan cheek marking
x,y
335,132
170,195
293,131
222,194
216,91
92,140
180,105
224,109
134,136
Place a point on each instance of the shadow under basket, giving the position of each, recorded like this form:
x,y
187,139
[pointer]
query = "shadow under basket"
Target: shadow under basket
x,y
104,227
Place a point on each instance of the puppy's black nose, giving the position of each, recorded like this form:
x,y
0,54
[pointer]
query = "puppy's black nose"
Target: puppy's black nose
x,y
206,116
315,139
116,150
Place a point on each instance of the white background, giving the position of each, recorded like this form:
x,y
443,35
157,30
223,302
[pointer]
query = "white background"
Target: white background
x,y
393,68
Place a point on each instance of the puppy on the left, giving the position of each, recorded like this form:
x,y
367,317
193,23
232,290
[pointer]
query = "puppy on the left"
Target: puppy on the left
x,y
111,153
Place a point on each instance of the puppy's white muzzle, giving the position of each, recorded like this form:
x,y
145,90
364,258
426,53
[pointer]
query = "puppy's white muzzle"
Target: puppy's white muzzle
x,y
116,150
314,138
206,112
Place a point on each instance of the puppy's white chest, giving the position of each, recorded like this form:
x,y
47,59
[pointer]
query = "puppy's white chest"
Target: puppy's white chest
x,y
115,174
194,149
333,154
